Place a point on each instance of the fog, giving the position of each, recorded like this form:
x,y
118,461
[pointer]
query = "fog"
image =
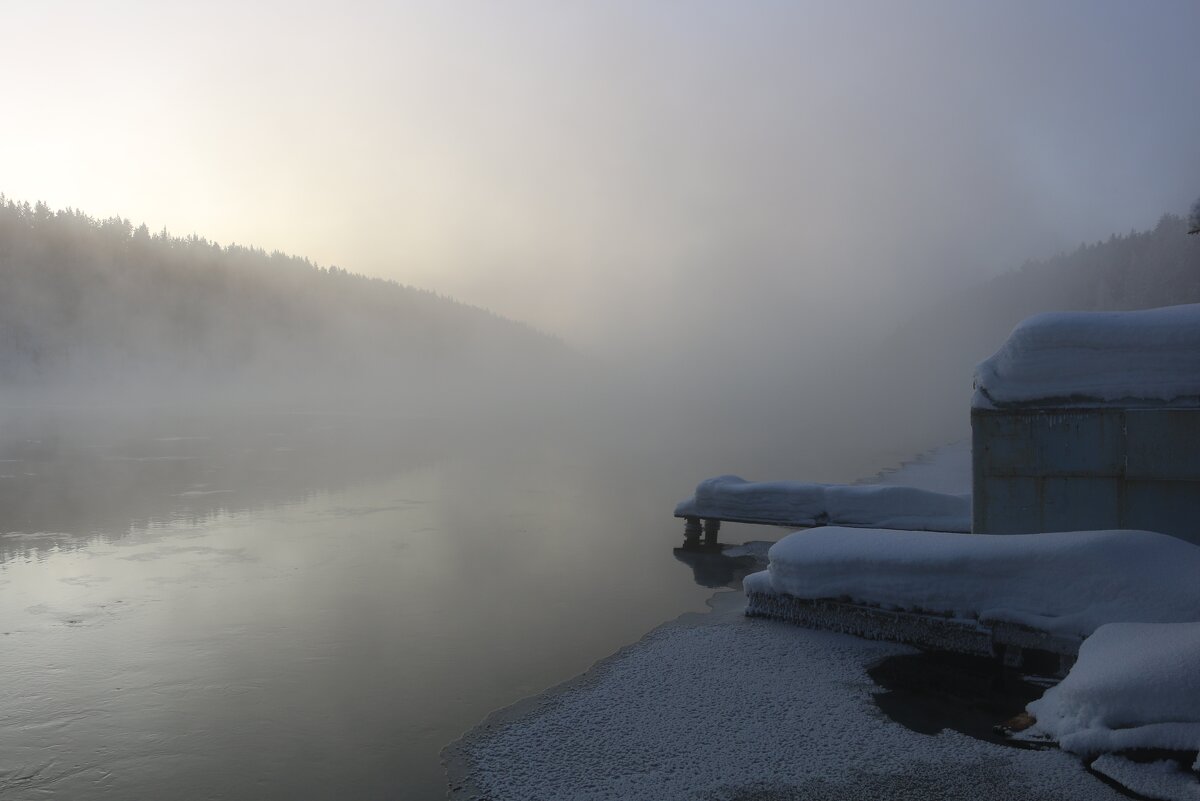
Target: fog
x,y
353,356
721,209
615,173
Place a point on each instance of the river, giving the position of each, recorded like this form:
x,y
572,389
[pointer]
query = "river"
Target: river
x,y
274,606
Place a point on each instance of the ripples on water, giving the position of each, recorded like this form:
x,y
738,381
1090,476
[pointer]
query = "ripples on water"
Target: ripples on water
x,y
304,607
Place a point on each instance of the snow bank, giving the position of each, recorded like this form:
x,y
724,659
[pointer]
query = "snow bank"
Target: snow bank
x,y
1096,358
1065,583
800,504
1136,685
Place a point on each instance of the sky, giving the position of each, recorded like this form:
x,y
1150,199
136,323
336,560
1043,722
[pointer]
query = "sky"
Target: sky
x,y
628,175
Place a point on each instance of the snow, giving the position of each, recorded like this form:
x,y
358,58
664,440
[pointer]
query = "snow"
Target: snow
x,y
1163,779
739,708
1096,359
1136,685
946,469
1066,583
802,504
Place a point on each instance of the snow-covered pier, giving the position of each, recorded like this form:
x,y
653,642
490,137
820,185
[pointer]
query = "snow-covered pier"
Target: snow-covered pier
x,y
796,504
1029,599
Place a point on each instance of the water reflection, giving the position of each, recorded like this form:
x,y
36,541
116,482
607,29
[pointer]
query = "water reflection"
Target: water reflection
x,y
69,480
302,609
713,568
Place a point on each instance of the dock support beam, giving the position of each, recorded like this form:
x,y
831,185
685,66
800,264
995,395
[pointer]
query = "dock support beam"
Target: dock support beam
x,y
691,531
711,528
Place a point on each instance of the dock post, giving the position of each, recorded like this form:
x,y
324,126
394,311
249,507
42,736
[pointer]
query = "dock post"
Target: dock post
x,y
691,531
711,528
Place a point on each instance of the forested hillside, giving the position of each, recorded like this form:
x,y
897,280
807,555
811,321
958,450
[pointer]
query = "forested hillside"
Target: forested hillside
x,y
931,359
95,305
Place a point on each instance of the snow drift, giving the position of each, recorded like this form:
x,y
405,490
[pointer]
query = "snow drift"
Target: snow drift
x,y
1136,685
1066,583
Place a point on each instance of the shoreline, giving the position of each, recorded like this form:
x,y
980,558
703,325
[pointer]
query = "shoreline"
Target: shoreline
x,y
720,707
723,604
716,706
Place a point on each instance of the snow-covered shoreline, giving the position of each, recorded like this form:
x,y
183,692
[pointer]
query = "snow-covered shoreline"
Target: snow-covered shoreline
x,y
720,706
724,707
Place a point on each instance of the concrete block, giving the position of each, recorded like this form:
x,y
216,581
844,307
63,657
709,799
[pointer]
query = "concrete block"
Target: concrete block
x,y
1163,444
1172,507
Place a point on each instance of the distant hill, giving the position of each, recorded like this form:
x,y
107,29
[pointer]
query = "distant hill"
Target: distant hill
x,y
929,363
103,307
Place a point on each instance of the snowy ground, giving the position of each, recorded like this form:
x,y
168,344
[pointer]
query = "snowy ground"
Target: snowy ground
x,y
946,469
720,707
725,708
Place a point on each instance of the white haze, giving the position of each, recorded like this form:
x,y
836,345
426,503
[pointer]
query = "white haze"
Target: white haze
x,y
726,197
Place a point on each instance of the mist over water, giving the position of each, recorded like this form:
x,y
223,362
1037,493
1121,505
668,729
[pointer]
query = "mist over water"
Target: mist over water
x,y
359,353
309,606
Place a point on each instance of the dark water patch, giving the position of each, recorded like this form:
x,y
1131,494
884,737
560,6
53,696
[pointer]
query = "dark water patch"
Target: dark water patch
x,y
930,692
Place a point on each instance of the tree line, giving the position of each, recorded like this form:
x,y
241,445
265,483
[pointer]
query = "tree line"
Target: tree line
x,y
93,303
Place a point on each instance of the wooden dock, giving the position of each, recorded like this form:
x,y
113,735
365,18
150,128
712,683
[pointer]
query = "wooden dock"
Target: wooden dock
x,y
705,530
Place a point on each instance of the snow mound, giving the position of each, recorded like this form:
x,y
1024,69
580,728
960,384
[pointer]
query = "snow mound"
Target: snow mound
x,y
1136,685
1096,359
797,503
1066,583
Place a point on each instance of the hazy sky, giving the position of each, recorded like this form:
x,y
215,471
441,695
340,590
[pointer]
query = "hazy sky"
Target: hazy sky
x,y
614,170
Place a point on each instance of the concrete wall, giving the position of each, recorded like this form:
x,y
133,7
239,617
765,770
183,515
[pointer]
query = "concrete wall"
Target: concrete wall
x,y
1072,469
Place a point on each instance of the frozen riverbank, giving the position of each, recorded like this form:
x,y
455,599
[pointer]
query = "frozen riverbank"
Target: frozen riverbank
x,y
723,707
718,706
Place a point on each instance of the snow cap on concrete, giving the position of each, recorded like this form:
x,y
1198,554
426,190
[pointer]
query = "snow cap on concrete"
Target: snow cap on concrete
x,y
1148,357
1065,583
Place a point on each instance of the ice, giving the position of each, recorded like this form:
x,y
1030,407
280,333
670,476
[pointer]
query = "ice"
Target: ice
x,y
803,504
1136,685
1066,583
1096,359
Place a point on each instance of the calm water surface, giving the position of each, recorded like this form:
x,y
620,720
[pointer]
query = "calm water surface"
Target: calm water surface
x,y
301,607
